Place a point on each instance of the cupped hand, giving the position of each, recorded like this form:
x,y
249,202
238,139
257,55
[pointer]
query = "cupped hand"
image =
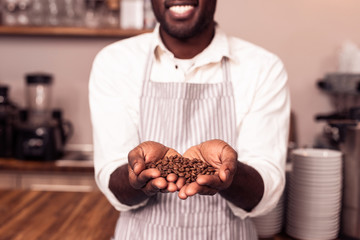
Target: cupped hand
x,y
218,154
149,180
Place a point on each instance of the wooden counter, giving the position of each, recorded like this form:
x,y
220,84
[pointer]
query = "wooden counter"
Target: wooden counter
x,y
37,215
63,175
11,164
40,215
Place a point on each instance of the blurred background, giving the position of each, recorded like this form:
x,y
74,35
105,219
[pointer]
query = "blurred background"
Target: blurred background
x,y
307,35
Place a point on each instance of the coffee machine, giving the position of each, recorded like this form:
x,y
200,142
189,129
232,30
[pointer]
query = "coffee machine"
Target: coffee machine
x,y
8,112
41,132
342,132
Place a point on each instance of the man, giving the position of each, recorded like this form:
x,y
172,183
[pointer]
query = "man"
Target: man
x,y
189,89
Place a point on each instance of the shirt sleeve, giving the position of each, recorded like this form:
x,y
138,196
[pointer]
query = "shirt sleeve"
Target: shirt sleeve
x,y
113,115
263,135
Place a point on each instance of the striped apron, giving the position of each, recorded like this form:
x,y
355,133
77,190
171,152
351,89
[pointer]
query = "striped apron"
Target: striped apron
x,y
181,115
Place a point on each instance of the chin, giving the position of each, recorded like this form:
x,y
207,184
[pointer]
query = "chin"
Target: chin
x,y
185,31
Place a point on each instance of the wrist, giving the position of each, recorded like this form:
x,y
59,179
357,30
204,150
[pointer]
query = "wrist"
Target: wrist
x,y
120,186
246,189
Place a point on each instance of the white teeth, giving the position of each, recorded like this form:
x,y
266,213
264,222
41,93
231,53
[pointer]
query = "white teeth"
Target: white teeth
x,y
181,9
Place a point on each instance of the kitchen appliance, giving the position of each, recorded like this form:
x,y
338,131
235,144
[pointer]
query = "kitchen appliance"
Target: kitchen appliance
x,y
7,118
343,90
351,196
347,83
342,132
41,132
335,129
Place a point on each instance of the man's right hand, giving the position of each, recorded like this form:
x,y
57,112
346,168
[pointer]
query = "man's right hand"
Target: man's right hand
x,y
149,180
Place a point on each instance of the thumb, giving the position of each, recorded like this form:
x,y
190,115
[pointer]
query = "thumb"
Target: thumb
x,y
225,173
228,167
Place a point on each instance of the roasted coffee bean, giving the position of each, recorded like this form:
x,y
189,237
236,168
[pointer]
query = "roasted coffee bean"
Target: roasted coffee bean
x,y
183,167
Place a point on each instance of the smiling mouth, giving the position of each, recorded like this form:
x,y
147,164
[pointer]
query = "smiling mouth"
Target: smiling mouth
x,y
181,8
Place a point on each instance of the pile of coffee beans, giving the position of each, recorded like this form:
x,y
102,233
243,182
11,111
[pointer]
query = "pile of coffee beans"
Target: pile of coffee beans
x,y
183,167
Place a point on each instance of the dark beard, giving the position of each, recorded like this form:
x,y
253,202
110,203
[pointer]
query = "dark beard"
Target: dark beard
x,y
187,32
184,33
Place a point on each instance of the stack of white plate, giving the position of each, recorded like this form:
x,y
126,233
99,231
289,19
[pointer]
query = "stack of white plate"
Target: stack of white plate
x,y
314,194
271,224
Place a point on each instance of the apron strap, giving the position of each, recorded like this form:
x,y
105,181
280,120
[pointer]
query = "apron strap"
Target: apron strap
x,y
225,66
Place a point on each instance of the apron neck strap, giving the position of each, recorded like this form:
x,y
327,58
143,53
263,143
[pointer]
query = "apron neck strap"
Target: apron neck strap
x,y
225,66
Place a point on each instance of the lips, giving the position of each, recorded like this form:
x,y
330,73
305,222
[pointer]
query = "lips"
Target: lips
x,y
169,3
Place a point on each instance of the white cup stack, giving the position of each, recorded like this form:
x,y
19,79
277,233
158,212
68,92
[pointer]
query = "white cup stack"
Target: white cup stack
x,y
314,194
270,224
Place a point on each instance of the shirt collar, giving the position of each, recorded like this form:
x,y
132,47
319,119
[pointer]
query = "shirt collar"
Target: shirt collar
x,y
218,48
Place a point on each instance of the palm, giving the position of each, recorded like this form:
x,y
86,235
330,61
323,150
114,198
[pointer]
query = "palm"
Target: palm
x,y
211,152
218,154
149,180
153,151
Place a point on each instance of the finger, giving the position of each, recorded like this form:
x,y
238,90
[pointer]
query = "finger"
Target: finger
x,y
154,186
212,181
136,160
228,156
146,175
225,174
172,177
159,183
182,193
227,171
172,187
229,161
192,189
195,188
180,182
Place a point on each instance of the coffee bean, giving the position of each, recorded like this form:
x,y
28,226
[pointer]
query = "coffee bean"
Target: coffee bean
x,y
183,167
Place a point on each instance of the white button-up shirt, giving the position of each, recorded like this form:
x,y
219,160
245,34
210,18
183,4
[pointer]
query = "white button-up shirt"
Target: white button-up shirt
x,y
261,99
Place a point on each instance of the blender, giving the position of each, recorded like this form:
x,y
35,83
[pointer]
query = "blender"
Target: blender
x,y
40,133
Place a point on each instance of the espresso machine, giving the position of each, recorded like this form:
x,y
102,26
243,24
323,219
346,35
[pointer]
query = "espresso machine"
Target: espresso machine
x,y
342,132
8,113
41,132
